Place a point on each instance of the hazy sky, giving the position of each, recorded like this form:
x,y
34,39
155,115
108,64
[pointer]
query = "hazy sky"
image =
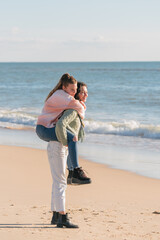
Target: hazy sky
x,y
79,30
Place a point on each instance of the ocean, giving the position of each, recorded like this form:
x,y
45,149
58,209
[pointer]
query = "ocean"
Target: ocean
x,y
122,121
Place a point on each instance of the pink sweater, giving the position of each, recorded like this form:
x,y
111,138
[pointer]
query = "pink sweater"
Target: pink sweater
x,y
55,105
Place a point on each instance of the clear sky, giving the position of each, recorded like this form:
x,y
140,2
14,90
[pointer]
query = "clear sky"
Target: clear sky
x,y
79,30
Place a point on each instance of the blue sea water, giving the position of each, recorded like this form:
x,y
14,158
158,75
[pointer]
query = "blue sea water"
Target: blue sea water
x,y
123,112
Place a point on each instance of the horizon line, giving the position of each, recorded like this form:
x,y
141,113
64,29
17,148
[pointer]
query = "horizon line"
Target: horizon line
x,y
76,61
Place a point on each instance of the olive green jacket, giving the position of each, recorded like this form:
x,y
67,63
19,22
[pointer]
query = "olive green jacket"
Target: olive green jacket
x,y
71,121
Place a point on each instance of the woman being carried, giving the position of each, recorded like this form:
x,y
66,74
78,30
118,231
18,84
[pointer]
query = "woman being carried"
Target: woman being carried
x,y
72,122
58,100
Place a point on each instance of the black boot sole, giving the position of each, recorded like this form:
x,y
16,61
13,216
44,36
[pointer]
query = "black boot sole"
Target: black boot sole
x,y
78,181
60,225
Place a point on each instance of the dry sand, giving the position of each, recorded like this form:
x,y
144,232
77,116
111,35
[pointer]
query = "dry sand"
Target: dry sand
x,y
117,205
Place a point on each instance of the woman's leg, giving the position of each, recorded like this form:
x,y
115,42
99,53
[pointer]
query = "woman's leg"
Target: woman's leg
x,y
73,152
46,134
57,156
76,174
69,163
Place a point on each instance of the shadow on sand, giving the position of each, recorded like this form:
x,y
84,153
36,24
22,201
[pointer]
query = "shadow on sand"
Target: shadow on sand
x,y
27,225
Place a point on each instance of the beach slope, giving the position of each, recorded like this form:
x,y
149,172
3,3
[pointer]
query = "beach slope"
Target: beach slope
x,y
117,205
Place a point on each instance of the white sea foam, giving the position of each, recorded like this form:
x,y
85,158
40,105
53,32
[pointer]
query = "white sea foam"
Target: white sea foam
x,y
18,118
125,128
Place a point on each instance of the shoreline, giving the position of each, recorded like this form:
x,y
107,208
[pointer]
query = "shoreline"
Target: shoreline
x,y
125,153
116,205
83,158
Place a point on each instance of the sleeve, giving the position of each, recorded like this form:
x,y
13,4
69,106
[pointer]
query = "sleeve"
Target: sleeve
x,y
61,126
76,105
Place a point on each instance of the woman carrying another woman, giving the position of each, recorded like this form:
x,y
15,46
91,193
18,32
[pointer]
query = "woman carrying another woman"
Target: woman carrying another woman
x,y
57,152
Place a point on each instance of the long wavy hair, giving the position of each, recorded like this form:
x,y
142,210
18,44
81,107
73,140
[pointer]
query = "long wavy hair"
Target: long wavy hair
x,y
64,81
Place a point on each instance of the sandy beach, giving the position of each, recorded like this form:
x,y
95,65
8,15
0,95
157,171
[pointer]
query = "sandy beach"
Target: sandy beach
x,y
117,205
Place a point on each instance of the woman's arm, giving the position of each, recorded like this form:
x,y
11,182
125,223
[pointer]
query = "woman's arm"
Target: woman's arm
x,y
62,124
79,106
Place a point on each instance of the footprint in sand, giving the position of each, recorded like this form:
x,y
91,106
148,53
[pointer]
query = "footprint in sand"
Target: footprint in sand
x,y
95,213
155,212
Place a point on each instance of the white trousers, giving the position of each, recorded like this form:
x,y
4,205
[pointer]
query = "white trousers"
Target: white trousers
x,y
57,156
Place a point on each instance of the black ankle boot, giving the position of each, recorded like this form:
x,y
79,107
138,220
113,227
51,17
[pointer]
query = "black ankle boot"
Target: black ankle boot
x,y
63,221
69,178
55,217
80,177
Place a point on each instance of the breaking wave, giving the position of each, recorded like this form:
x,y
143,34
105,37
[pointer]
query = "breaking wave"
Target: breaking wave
x,y
26,118
125,128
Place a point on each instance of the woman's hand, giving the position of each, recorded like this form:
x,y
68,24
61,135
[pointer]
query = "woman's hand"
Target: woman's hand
x,y
75,139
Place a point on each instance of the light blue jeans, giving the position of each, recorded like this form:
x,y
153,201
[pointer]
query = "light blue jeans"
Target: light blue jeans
x,y
48,134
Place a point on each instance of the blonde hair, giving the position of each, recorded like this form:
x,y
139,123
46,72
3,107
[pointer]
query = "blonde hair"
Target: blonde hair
x,y
64,81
